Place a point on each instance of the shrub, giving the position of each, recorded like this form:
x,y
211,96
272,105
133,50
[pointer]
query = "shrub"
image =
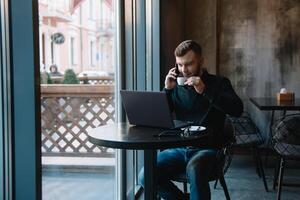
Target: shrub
x,y
70,77
45,78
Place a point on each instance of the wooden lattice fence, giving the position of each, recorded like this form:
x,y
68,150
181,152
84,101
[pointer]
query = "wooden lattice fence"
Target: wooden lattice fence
x,y
68,112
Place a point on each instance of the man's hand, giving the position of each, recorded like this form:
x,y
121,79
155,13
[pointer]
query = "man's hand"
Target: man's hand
x,y
197,83
170,81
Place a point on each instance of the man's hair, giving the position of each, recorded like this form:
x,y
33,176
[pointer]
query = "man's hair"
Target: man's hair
x,y
53,66
186,46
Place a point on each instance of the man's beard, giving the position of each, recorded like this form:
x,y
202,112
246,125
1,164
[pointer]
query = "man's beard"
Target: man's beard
x,y
199,72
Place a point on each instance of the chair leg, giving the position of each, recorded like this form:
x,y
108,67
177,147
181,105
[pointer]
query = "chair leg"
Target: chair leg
x,y
262,172
185,191
276,173
185,188
281,171
224,186
268,152
216,183
255,157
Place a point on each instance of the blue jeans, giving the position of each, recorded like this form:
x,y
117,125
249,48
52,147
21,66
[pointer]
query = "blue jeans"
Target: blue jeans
x,y
198,164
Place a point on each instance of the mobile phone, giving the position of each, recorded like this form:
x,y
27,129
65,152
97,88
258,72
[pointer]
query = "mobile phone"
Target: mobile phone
x,y
176,69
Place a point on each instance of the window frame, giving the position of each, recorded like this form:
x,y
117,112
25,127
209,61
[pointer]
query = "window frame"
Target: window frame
x,y
24,134
73,52
142,71
92,50
25,86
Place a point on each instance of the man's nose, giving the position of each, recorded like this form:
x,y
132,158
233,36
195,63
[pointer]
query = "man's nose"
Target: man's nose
x,y
184,69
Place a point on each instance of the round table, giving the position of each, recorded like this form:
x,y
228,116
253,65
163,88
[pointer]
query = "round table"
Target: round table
x,y
125,136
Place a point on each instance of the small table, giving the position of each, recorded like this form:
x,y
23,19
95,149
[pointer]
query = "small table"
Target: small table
x,y
125,136
272,104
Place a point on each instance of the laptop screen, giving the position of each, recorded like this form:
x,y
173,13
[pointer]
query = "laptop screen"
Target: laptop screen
x,y
145,108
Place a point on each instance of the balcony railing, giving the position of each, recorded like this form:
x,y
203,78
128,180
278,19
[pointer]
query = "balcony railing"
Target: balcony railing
x,y
68,112
101,80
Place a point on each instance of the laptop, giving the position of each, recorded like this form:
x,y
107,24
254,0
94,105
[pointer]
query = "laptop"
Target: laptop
x,y
145,108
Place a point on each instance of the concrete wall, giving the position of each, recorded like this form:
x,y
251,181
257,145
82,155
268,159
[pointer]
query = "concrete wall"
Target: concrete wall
x,y
171,33
259,48
188,19
201,25
259,45
255,43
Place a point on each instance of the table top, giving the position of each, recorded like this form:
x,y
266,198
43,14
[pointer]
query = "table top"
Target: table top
x,y
125,136
271,103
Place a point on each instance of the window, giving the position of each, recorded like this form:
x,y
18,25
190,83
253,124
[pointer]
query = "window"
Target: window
x,y
91,9
92,54
73,56
64,115
70,162
43,53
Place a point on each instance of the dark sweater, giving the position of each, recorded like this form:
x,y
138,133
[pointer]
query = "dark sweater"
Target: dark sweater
x,y
209,108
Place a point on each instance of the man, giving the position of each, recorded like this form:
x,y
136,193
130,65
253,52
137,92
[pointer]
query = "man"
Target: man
x,y
54,70
204,99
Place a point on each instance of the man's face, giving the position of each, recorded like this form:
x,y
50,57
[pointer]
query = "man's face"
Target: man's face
x,y
190,64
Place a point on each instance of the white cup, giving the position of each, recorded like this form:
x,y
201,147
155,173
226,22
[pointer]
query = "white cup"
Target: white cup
x,y
181,80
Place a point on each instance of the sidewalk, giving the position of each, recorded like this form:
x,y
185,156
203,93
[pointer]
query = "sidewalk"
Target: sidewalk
x,y
78,164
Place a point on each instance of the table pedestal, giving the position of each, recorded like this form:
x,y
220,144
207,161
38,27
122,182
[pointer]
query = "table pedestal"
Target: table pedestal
x,y
150,160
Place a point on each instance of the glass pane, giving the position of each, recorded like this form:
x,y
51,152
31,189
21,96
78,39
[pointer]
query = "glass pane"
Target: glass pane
x,y
77,94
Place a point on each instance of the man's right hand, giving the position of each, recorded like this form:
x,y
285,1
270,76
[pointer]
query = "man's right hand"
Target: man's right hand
x,y
170,81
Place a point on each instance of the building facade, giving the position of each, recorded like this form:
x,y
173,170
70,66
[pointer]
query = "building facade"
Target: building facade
x,y
77,34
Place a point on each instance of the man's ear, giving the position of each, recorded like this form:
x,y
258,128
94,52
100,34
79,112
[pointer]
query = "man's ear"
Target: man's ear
x,y
200,61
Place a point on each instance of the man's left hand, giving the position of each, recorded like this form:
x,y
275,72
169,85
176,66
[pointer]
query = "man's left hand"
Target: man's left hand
x,y
197,83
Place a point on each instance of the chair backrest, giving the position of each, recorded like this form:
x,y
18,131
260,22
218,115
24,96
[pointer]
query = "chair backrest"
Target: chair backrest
x,y
224,155
228,133
245,131
287,130
286,135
